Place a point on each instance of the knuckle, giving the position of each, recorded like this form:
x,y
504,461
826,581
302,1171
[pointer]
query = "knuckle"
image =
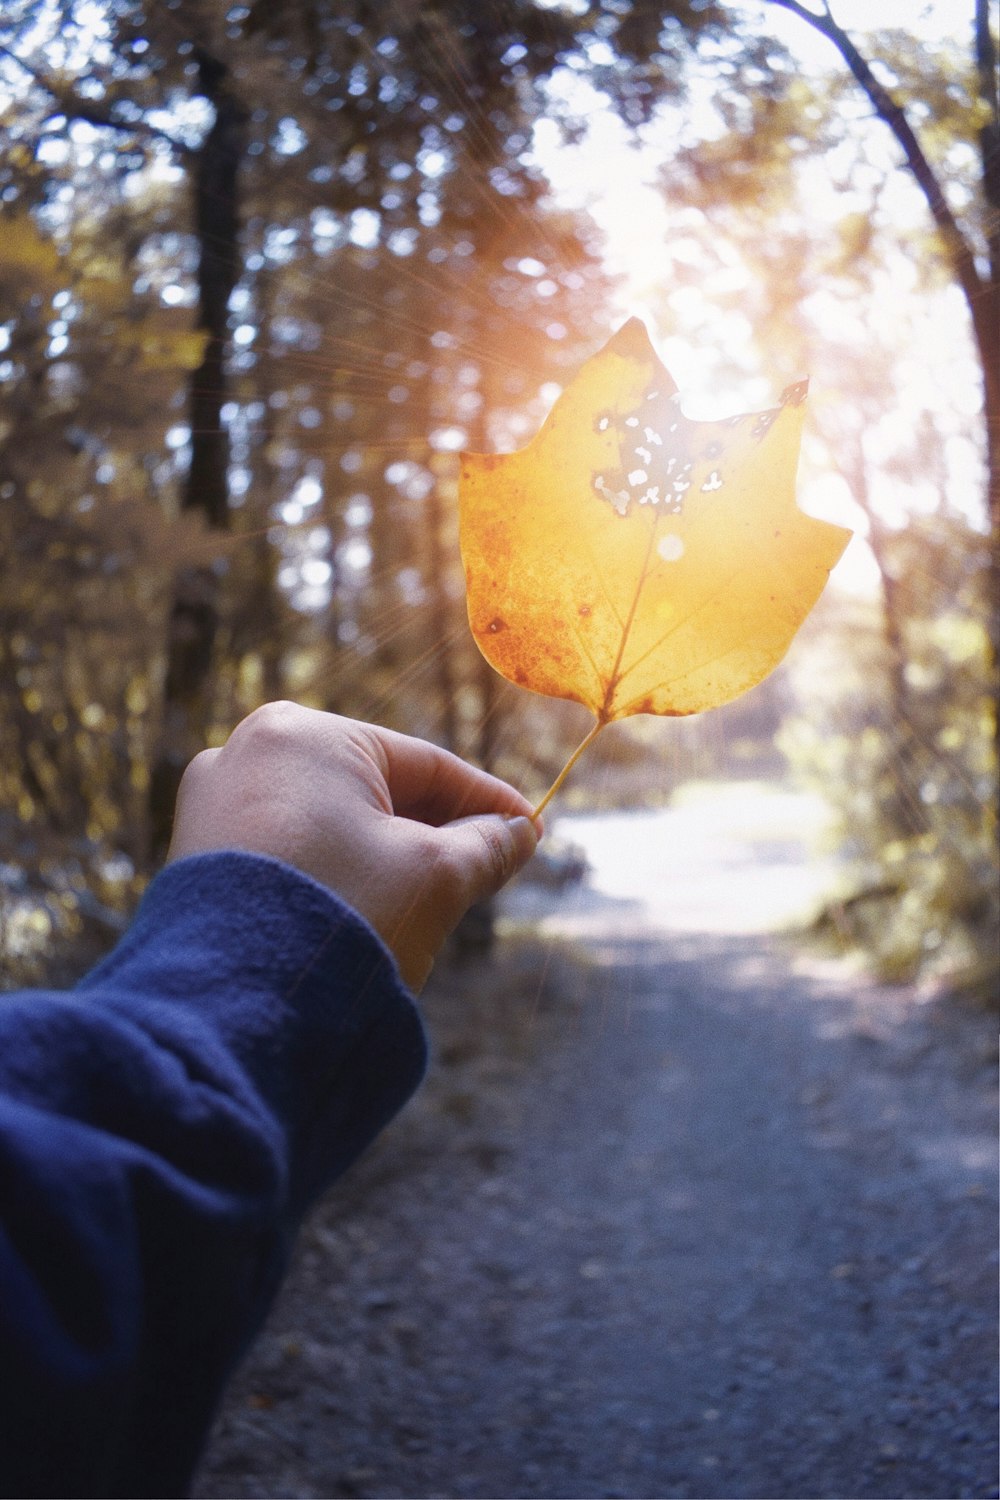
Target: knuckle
x,y
197,769
200,763
270,726
494,838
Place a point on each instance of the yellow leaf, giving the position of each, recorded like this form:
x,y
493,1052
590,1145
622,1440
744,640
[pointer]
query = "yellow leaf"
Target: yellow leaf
x,y
635,560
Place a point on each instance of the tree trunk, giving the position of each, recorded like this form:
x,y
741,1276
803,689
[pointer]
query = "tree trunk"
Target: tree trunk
x,y
981,289
194,613
989,148
476,932
442,620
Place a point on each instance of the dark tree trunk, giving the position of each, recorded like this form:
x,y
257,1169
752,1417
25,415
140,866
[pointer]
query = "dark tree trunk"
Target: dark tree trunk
x,y
989,146
194,614
258,624
442,619
490,690
488,681
476,933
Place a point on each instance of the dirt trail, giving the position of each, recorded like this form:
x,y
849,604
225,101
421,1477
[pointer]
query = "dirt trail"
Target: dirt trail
x,y
676,1215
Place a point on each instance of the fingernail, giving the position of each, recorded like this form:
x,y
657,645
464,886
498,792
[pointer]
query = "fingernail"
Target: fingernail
x,y
537,824
525,837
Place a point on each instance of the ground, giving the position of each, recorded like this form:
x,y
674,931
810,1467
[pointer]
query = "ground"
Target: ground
x,y
676,1214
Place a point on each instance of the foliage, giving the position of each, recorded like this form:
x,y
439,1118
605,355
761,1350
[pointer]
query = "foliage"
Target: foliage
x,y
86,553
836,269
265,269
914,780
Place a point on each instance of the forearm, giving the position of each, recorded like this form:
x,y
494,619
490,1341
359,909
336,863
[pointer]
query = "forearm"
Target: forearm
x,y
162,1130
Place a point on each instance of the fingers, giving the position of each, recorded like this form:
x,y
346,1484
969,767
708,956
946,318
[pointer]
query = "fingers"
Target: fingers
x,y
483,853
406,833
433,786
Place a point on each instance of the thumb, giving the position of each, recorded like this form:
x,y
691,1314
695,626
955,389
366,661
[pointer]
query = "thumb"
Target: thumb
x,y
487,850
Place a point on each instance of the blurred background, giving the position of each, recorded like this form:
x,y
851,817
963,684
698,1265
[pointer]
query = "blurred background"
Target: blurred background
x,y
683,1208
265,269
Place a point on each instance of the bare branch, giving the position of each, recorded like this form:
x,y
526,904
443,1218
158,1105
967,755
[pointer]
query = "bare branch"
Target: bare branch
x,y
25,68
979,294
893,115
90,111
804,12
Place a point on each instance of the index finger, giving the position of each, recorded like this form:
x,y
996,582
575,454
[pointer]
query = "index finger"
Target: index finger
x,y
433,786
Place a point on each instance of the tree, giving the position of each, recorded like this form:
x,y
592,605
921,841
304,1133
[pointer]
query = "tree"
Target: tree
x,y
86,553
972,249
910,762
254,156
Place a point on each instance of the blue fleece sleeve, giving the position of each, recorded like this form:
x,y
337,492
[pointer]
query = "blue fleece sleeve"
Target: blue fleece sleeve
x,y
163,1128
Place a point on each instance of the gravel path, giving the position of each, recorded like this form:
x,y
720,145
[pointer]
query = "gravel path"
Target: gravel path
x,y
682,1216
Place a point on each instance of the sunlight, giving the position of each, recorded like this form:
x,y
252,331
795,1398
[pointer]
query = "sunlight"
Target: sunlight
x,y
695,289
736,858
933,21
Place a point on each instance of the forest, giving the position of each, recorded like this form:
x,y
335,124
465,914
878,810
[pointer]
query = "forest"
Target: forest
x,y
696,1199
267,269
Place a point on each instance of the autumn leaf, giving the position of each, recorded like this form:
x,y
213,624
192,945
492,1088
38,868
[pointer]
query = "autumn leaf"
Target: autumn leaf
x,y
637,561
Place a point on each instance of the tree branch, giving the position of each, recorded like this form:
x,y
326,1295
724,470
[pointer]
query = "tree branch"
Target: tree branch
x,y
981,294
73,107
892,114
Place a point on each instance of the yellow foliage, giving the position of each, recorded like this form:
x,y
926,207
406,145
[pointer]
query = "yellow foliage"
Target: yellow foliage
x,y
137,696
165,342
961,638
28,259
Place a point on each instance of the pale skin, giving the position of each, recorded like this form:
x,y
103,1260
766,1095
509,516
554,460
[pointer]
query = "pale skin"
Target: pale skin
x,y
407,834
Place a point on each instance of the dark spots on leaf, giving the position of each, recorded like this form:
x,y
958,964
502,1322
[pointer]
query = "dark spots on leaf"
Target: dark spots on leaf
x,y
763,424
495,626
645,707
520,676
794,395
585,611
658,448
777,533
490,461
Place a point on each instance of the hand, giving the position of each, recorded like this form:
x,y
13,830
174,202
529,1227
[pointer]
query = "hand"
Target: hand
x,y
406,833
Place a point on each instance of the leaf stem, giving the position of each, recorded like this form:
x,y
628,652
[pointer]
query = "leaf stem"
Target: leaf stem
x,y
581,747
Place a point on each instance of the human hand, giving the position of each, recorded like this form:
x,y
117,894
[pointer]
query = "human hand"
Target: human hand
x,y
406,833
